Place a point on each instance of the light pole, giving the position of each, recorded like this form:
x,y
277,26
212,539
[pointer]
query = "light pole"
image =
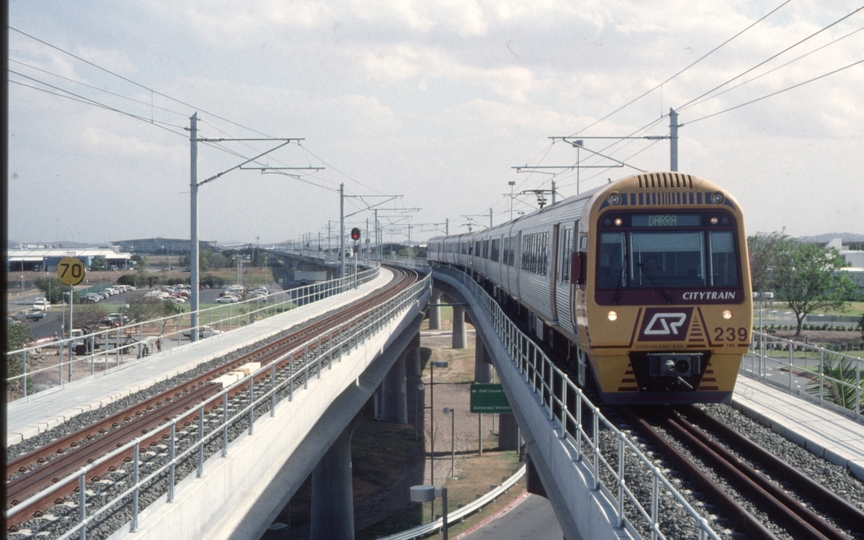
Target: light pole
x,y
511,183
433,365
578,145
452,413
423,494
420,388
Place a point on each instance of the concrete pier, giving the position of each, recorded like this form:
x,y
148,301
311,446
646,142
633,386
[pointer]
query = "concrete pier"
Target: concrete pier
x,y
332,490
460,336
393,394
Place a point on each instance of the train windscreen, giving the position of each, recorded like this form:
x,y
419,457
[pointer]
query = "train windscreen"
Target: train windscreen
x,y
676,253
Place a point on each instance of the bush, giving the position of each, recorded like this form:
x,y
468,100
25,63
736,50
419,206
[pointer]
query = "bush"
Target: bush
x,y
861,326
212,281
128,279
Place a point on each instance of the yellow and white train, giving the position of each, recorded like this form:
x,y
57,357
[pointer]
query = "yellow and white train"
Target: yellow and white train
x,y
642,284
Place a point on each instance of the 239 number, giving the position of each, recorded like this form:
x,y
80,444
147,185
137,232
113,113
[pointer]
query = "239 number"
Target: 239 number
x,y
730,334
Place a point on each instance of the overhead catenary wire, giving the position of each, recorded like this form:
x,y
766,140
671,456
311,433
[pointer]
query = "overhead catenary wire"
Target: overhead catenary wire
x,y
153,91
692,64
772,57
708,95
832,42
88,101
772,94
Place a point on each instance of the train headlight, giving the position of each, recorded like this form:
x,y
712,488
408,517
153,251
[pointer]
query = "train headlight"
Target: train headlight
x,y
717,197
727,314
614,199
613,315
714,221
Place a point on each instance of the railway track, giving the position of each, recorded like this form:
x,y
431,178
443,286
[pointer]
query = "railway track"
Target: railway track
x,y
757,474
33,473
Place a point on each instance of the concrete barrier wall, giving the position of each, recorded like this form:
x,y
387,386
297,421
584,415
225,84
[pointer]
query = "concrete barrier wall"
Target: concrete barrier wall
x,y
581,511
240,495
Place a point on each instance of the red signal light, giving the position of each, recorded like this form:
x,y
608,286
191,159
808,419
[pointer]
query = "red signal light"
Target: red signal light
x,y
355,234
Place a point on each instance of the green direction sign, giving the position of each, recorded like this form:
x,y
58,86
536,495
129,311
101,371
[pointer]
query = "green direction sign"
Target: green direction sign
x,y
488,398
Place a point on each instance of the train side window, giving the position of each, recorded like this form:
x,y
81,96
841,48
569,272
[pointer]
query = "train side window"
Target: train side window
x,y
564,254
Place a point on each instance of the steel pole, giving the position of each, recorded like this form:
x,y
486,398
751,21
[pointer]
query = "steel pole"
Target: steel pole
x,y
342,228
452,443
673,140
193,244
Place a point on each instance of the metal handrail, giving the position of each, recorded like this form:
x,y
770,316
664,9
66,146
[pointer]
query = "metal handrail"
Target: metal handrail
x,y
171,329
318,360
784,371
453,517
537,371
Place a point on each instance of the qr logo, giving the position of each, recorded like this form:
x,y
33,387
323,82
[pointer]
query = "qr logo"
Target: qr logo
x,y
665,325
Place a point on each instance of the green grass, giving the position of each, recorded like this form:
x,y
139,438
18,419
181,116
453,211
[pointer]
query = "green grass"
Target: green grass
x,y
854,309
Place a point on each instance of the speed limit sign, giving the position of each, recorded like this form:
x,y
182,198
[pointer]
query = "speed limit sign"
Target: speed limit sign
x,y
70,271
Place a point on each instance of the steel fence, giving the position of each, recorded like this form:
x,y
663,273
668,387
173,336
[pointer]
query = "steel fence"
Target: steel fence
x,y
318,356
829,378
106,349
563,403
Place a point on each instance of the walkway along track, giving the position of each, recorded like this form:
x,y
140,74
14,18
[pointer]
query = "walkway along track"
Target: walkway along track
x,y
32,473
795,517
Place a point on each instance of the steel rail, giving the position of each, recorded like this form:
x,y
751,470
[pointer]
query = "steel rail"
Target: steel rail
x,y
128,430
750,526
800,521
791,475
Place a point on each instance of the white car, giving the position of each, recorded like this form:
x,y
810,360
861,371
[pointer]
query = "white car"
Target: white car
x,y
203,332
41,304
227,299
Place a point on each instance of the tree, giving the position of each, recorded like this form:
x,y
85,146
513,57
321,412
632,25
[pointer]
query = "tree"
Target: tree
x,y
204,259
764,249
171,307
53,288
89,315
140,263
143,308
18,336
807,277
98,263
218,261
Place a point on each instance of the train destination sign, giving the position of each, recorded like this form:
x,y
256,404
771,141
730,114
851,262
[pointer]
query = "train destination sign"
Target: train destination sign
x,y
666,220
489,398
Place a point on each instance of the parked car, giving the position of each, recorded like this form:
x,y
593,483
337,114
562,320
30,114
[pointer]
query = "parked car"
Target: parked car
x,y
41,304
227,299
117,319
203,332
35,316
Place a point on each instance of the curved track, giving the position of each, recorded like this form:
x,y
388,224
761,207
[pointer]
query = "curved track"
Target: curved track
x,y
31,473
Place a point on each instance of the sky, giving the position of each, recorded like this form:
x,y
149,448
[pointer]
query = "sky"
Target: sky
x,y
421,109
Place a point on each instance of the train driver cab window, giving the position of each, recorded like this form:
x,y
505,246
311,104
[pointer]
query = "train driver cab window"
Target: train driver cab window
x,y
724,266
667,259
